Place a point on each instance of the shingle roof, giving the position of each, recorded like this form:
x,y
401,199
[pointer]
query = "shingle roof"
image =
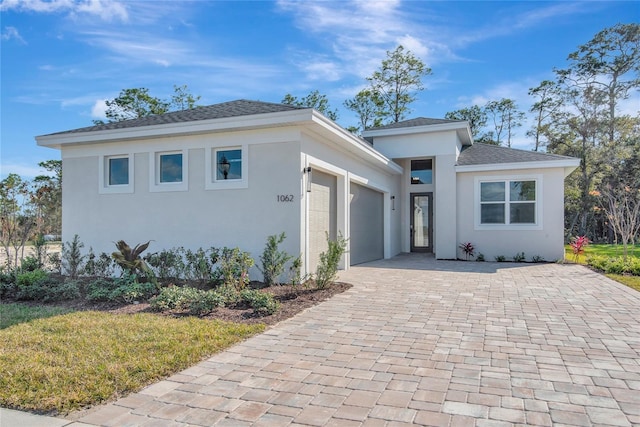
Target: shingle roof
x,y
237,108
487,154
419,121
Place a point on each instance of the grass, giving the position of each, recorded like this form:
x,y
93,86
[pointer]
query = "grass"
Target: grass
x,y
631,281
602,250
67,362
13,314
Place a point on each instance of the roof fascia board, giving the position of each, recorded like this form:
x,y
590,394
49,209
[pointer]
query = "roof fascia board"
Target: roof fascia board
x,y
356,145
457,126
175,129
569,164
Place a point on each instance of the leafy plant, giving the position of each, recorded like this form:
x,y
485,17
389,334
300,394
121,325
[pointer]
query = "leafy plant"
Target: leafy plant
x,y
125,289
480,257
295,272
500,258
327,270
273,260
468,249
129,258
38,286
615,265
187,298
72,258
199,265
167,264
234,266
39,250
30,278
98,265
578,244
30,263
537,258
263,304
519,257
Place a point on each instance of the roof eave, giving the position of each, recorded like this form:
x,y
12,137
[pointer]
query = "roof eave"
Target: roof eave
x,y
254,121
569,165
462,129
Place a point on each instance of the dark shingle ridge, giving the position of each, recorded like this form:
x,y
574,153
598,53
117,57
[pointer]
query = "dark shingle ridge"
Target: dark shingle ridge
x,y
241,107
418,121
487,154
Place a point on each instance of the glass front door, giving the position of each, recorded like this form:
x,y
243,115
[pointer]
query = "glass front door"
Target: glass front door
x,y
422,222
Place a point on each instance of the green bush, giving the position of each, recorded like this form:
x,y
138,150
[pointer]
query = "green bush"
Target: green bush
x,y
174,298
519,257
98,265
46,289
30,263
500,258
72,258
327,270
187,298
30,278
234,266
167,264
615,265
273,260
125,289
263,304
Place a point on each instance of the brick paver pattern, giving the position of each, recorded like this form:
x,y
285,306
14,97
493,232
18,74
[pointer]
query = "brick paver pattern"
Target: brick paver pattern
x,y
422,342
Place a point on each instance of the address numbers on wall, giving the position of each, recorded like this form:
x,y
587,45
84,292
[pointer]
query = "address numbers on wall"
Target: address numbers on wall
x,y
285,198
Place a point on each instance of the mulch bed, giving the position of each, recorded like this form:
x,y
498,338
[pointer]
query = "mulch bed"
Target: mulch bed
x,y
292,300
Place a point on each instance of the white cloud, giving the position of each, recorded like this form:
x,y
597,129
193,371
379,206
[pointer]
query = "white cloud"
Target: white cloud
x,y
98,111
12,33
107,10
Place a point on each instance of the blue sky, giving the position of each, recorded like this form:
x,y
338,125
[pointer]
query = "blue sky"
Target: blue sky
x,y
60,59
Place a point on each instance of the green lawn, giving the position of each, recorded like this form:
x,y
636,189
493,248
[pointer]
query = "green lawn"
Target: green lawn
x,y
62,363
12,314
602,250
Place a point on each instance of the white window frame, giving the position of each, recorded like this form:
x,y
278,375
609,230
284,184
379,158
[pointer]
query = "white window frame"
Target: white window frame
x,y
211,183
507,179
154,172
103,170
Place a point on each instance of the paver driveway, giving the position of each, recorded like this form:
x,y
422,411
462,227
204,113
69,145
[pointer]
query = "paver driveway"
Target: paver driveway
x,y
418,341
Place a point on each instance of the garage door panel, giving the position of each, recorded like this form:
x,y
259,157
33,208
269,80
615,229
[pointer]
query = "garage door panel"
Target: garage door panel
x,y
366,224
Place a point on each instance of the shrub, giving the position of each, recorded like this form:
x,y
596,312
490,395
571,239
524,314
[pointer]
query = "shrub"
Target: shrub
x,y
234,266
174,298
615,265
273,260
98,266
125,289
129,259
500,258
519,257
45,289
263,304
39,250
187,298
30,278
72,259
537,258
295,272
54,262
327,270
468,249
167,264
200,265
480,257
30,263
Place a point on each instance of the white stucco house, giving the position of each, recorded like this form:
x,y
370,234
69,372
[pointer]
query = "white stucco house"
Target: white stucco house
x,y
233,173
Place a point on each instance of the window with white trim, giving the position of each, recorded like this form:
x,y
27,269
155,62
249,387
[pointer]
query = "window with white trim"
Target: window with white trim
x,y
508,202
168,171
116,174
226,167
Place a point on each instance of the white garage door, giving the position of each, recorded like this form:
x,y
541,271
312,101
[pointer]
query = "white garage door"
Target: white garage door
x,y
366,224
322,215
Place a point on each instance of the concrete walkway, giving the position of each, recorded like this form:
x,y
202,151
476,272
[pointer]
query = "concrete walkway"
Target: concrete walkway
x,y
418,341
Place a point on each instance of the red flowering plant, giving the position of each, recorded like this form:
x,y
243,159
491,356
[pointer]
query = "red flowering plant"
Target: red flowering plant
x,y
578,244
468,249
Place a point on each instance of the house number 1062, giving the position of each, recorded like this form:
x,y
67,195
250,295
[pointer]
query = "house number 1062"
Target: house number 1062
x,y
283,198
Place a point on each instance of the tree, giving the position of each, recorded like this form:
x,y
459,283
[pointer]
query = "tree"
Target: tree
x,y
137,102
46,196
547,103
16,217
475,115
622,207
314,100
368,106
397,81
610,64
505,117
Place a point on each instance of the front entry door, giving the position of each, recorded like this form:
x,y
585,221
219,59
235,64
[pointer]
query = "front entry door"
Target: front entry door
x,y
421,222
